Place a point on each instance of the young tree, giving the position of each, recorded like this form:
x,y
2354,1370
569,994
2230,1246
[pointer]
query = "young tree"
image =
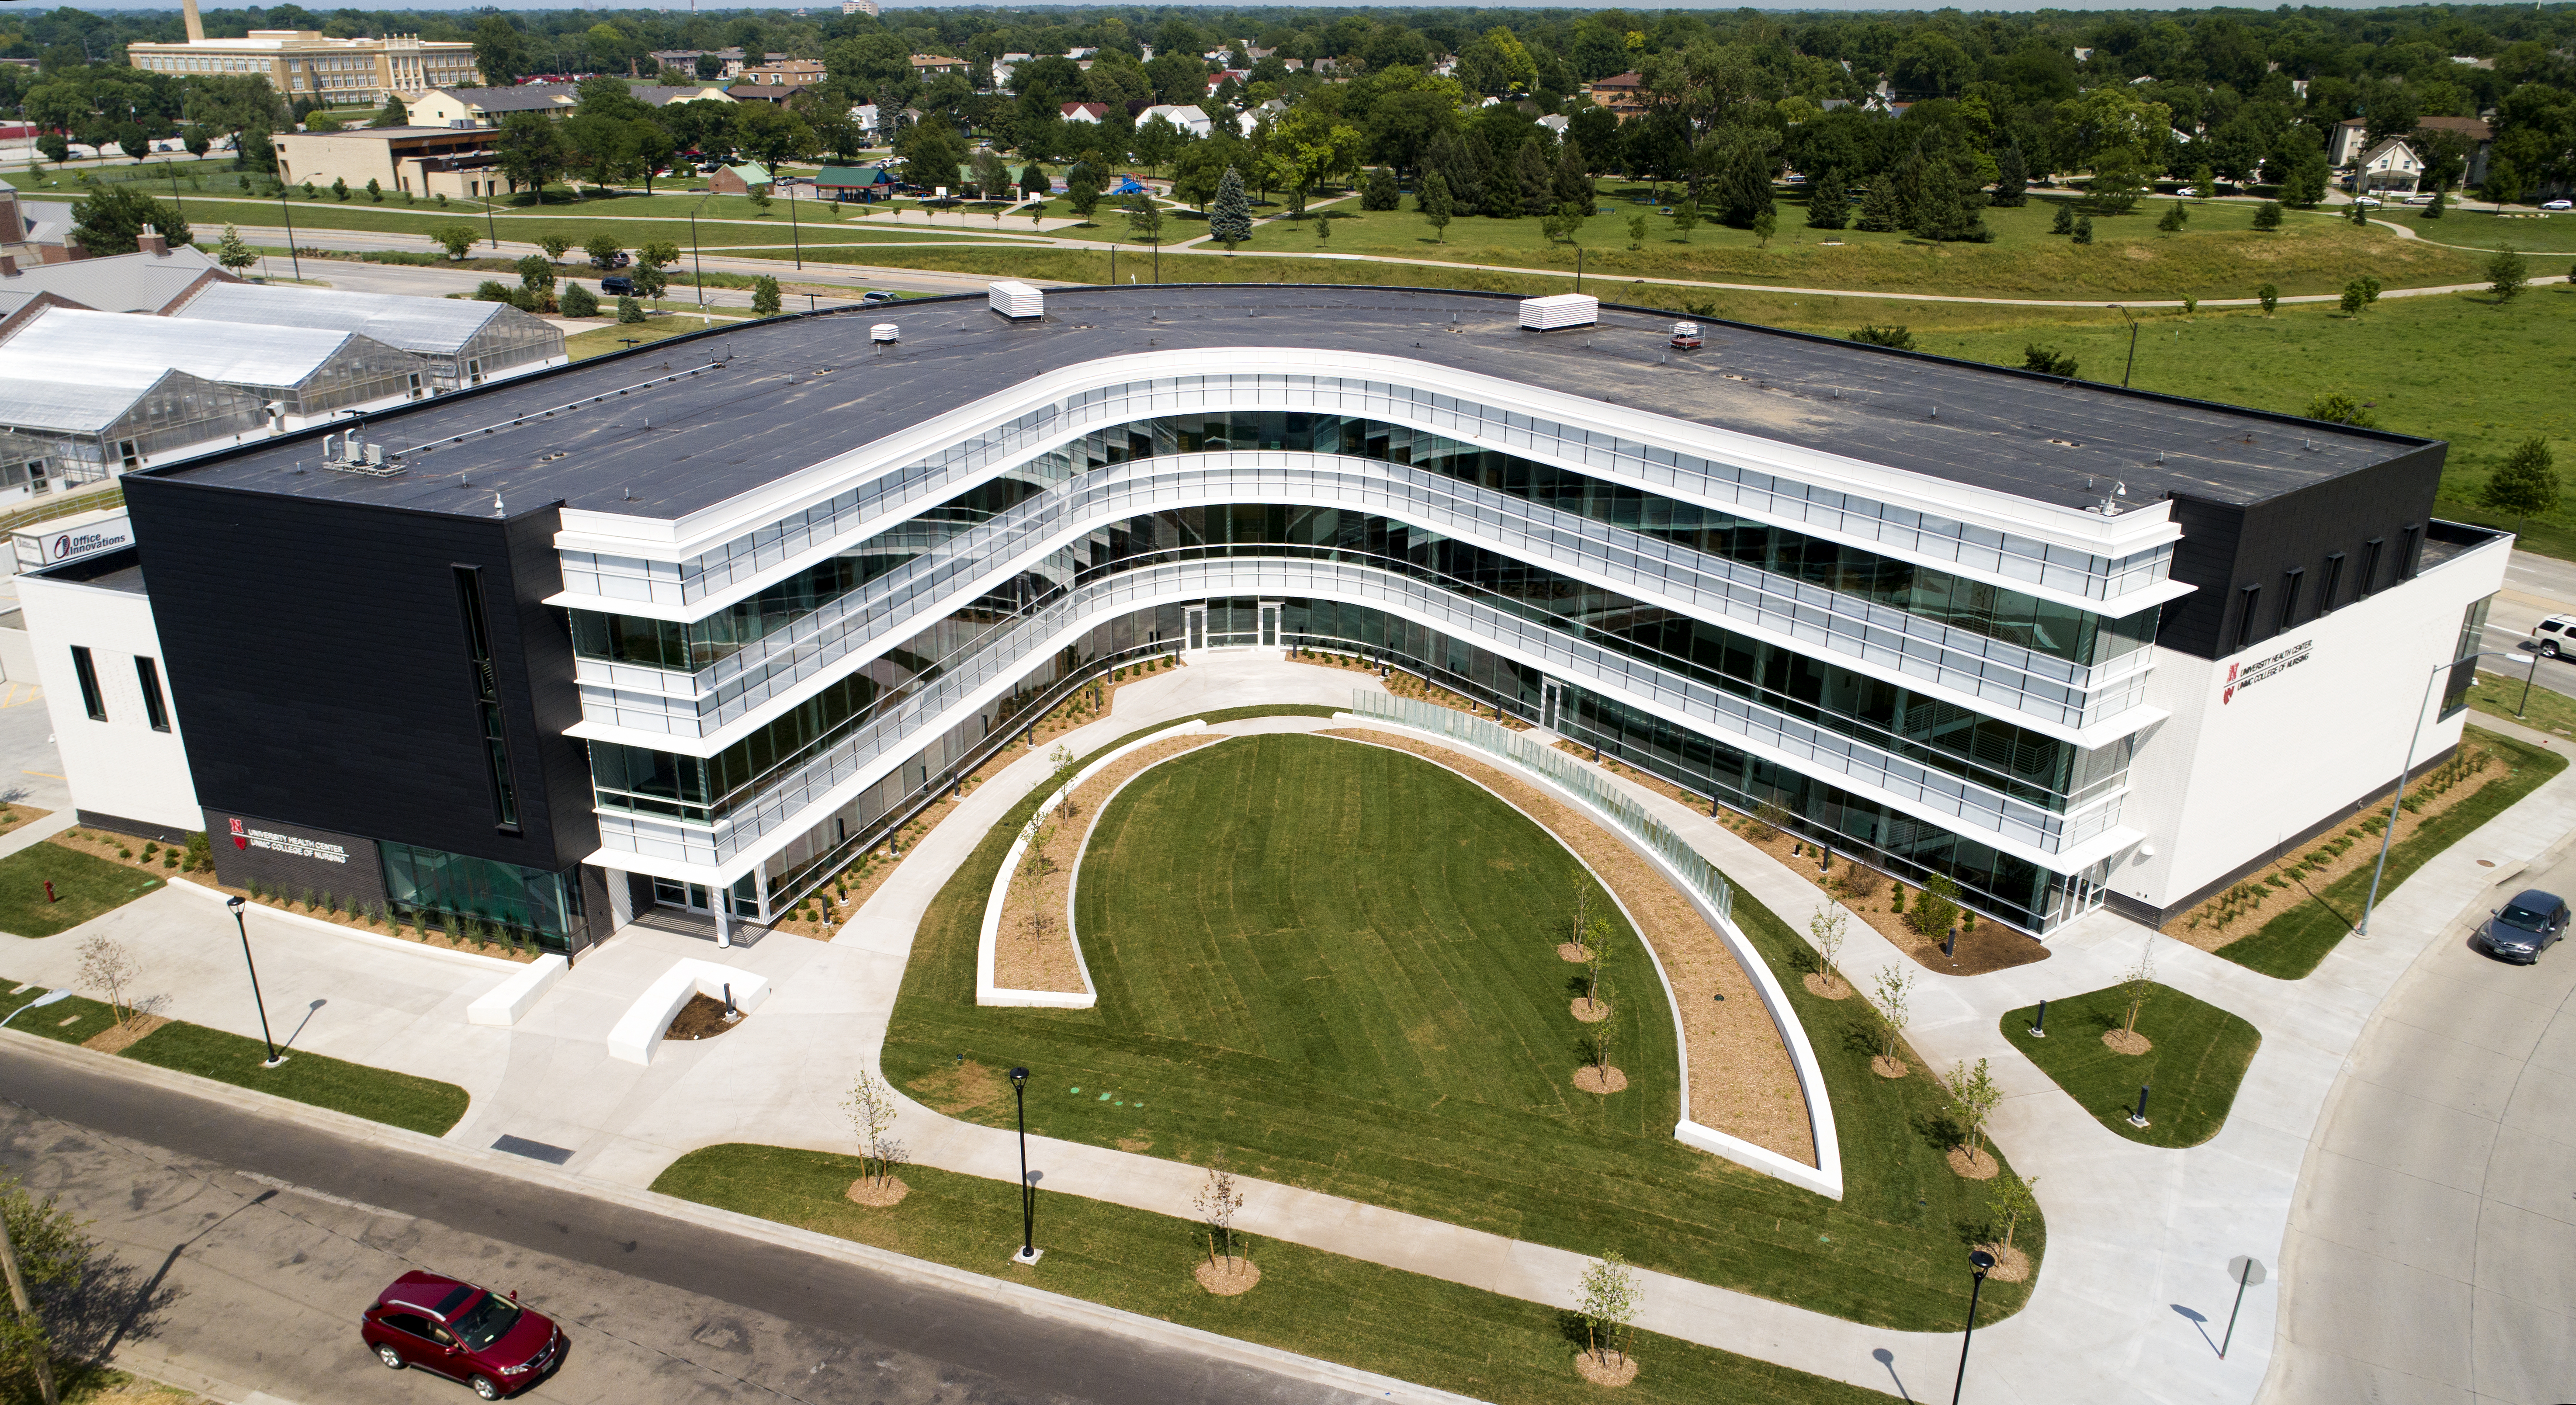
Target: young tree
x,y
53,1257
1062,766
1437,208
651,260
537,274
1082,188
554,243
603,248
1379,191
110,219
2012,179
1598,937
1891,996
1686,218
1607,1299
2063,222
1587,902
2204,181
2084,230
1878,212
1230,217
1636,231
2335,407
1037,862
2357,212
2135,987
1219,1200
872,1108
1560,223
1601,1030
2174,219
375,191
1875,335
1766,222
2270,296
108,968
2009,1198
2527,485
764,296
1826,930
2268,215
340,190
1144,217
2434,211
2353,298
1974,1096
1935,909
2507,273
629,311
232,253
2048,361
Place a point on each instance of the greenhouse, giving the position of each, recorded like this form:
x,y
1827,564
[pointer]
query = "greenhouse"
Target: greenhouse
x,y
57,428
464,343
307,373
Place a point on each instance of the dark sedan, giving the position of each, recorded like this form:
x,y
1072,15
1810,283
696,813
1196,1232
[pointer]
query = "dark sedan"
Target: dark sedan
x,y
2525,927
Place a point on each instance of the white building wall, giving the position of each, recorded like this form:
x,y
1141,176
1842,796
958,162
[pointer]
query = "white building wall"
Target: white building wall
x,y
2232,775
120,767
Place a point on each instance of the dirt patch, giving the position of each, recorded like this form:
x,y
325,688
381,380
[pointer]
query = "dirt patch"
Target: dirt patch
x,y
959,1090
1826,987
117,1038
1601,1370
878,1192
2011,1265
1972,1165
1591,1011
1886,1067
1409,685
1135,1143
702,1018
1228,1278
2126,1041
1874,897
1575,952
1600,1080
1741,1080
1034,948
2244,907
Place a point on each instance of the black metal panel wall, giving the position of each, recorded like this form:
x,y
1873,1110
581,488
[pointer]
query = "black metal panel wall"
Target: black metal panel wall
x,y
317,652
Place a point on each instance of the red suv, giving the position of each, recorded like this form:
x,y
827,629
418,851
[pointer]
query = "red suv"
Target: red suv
x,y
462,1332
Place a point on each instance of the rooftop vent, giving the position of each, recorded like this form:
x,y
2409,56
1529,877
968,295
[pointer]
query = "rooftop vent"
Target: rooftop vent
x,y
885,332
1563,310
1017,301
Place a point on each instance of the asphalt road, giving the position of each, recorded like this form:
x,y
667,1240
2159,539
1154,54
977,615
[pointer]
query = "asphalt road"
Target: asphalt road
x,y
240,1248
2534,587
2433,1243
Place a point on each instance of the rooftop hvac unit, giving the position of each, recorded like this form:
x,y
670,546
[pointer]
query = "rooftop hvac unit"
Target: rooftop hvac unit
x,y
883,332
1018,301
1563,310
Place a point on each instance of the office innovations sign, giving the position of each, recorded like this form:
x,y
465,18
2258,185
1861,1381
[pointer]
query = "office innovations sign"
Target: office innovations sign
x,y
2243,676
36,547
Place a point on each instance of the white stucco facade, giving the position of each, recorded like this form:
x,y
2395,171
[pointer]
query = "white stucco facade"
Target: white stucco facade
x,y
123,767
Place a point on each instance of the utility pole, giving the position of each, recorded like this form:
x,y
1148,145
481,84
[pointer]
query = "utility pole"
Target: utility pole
x,y
293,259
41,1357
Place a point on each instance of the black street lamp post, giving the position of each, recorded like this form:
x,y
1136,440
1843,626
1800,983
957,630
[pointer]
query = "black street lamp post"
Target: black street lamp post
x,y
1980,1263
237,904
1028,1192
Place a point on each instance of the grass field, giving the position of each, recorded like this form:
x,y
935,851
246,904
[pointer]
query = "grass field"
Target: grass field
x,y
1361,1314
2498,694
2198,1060
377,1094
1334,1090
206,219
2220,255
600,341
84,887
2483,230
2290,945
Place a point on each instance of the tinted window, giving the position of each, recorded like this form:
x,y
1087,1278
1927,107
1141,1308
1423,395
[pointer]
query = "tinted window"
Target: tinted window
x,y
2528,919
406,1322
487,1321
456,1297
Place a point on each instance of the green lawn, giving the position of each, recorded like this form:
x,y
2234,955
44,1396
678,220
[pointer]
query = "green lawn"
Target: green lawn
x,y
2498,694
206,219
2290,945
600,341
1360,1314
2199,1057
84,887
1363,1055
2482,229
379,1095
2220,255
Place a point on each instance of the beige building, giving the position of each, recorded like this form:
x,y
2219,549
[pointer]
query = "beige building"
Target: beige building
x,y
488,107
301,63
420,160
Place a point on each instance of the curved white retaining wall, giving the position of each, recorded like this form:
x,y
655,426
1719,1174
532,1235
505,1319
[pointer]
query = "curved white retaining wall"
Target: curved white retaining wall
x,y
641,1027
1826,1176
986,992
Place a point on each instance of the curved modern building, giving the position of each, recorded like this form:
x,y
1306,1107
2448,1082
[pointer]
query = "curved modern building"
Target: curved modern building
x,y
695,624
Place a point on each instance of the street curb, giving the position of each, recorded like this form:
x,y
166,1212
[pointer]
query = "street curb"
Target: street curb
x,y
1037,1302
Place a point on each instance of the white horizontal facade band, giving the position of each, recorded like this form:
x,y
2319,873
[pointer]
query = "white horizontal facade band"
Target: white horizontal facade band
x,y
630,703
1156,383
799,800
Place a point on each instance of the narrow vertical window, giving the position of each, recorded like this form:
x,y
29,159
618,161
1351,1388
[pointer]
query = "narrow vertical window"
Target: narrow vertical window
x,y
2334,580
487,696
2291,580
91,699
155,710
2369,567
2245,617
2411,541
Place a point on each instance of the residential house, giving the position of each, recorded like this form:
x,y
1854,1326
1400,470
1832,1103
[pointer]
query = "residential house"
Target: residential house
x,y
1084,111
486,107
1188,119
2345,142
730,62
2390,166
784,73
1624,94
934,65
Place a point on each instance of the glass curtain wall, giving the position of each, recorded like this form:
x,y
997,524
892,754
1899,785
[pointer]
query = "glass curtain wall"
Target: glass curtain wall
x,y
460,895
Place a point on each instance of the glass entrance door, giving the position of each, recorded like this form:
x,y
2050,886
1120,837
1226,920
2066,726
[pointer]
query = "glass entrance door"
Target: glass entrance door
x,y
1196,633
1550,697
692,896
1269,625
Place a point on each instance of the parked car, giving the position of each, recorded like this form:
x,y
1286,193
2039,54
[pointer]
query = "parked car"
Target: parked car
x,y
2189,192
877,297
2365,202
2525,927
449,1327
2421,197
2558,205
2554,636
617,286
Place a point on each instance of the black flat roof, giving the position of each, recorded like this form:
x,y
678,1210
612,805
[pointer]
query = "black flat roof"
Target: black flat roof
x,y
793,391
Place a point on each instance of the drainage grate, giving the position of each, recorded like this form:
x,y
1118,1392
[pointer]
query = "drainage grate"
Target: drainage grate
x,y
534,1151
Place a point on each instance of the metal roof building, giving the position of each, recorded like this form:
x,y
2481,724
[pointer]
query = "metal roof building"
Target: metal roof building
x,y
306,372
144,281
78,424
465,343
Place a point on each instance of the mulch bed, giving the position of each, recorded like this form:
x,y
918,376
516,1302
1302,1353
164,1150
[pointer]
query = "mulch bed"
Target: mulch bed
x,y
1028,955
702,1018
117,1038
1228,1278
1741,1080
